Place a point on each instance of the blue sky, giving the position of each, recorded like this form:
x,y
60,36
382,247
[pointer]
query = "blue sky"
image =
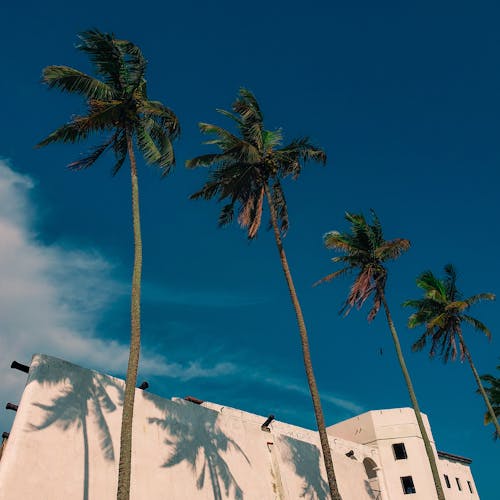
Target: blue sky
x,y
405,100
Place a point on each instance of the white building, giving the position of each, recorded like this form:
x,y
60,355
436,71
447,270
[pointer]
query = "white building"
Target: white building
x,y
65,438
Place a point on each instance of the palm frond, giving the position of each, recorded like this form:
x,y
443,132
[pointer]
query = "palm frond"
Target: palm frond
x,y
420,343
105,56
247,106
478,297
207,160
391,250
477,325
229,115
92,157
133,66
147,145
226,215
77,130
331,276
120,148
76,82
163,115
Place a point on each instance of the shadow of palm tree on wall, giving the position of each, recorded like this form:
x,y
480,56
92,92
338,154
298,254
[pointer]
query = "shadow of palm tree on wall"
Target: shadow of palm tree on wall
x,y
194,437
305,459
85,392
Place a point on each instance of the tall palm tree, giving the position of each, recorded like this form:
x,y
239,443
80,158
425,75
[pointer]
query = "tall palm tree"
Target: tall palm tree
x,y
493,392
365,252
118,106
442,311
248,170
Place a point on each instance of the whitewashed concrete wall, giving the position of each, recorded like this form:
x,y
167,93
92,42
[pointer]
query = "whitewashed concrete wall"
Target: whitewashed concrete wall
x,y
65,438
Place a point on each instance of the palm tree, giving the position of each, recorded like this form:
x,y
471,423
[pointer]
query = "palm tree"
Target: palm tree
x,y
493,392
366,252
442,311
248,169
118,106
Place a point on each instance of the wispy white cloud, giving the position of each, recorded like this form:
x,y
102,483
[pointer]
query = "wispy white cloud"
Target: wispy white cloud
x,y
286,383
289,385
53,296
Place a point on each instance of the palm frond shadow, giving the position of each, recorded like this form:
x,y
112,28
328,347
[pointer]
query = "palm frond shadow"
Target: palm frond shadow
x,y
305,460
85,392
195,437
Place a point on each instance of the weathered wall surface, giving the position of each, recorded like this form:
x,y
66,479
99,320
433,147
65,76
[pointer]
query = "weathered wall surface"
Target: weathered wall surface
x,y
65,438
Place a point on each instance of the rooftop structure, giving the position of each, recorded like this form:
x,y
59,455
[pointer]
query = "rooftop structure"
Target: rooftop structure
x,y
65,437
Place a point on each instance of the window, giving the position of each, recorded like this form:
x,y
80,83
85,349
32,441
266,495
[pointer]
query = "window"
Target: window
x,y
370,468
399,451
470,486
447,480
408,486
458,484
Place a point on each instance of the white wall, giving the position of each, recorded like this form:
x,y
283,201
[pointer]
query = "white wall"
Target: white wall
x,y
64,445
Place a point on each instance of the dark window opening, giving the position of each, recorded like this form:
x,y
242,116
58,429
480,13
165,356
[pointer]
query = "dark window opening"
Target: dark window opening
x,y
470,486
447,480
458,484
370,468
408,486
399,451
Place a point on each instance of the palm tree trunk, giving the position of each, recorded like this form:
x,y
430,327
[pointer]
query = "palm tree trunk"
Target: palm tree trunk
x,y
413,397
85,453
479,384
320,420
124,467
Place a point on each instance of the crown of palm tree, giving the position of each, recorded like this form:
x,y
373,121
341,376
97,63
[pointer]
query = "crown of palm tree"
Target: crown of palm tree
x,y
365,251
249,162
117,103
443,310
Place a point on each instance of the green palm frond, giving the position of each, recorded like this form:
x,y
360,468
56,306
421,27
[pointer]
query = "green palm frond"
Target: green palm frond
x,y
147,145
391,250
105,56
133,66
247,107
419,344
291,157
206,160
230,115
272,138
120,149
163,115
75,82
478,297
477,325
93,156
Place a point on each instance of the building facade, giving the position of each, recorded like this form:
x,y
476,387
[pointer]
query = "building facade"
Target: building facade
x,y
65,438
